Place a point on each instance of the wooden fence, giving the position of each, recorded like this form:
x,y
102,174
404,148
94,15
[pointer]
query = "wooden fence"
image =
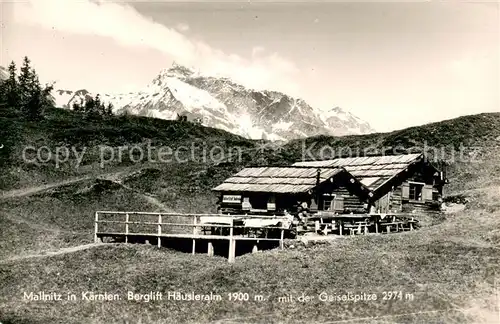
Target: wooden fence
x,y
116,224
129,226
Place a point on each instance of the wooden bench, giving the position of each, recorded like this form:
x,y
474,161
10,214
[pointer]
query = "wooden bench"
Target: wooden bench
x,y
321,227
409,225
357,228
388,226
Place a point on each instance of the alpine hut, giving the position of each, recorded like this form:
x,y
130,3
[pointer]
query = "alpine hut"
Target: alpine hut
x,y
277,190
398,183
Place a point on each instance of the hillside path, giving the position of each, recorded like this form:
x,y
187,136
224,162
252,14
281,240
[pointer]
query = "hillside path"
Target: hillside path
x,y
22,192
36,189
60,251
111,176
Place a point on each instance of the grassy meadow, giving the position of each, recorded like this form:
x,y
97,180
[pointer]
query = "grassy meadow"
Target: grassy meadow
x,y
446,273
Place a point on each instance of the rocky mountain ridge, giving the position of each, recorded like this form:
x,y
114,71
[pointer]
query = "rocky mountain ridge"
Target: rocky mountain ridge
x,y
222,103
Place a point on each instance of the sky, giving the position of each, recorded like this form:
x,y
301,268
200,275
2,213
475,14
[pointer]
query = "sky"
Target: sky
x,y
394,64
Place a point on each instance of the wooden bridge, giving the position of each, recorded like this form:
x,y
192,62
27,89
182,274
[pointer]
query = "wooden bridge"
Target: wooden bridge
x,y
218,233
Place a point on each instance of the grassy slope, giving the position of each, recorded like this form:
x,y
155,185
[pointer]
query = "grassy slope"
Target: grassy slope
x,y
449,269
451,265
63,128
62,216
467,130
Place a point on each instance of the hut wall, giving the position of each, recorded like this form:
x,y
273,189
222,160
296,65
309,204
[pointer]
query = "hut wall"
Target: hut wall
x,y
343,195
383,204
351,201
391,202
430,193
348,195
398,197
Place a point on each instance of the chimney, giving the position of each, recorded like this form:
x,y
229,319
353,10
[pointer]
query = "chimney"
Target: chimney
x,y
318,174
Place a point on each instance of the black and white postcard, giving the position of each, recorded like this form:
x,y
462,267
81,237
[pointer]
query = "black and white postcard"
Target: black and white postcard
x,y
253,161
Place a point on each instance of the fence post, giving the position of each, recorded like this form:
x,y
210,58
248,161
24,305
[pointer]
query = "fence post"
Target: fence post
x,y
194,234
282,237
96,239
232,250
210,249
159,230
126,227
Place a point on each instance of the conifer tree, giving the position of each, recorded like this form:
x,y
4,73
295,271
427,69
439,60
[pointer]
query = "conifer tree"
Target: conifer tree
x,y
97,101
109,109
34,103
29,96
27,85
89,107
38,99
12,88
3,98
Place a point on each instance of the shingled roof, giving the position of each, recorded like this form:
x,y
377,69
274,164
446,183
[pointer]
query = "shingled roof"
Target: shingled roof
x,y
372,171
277,179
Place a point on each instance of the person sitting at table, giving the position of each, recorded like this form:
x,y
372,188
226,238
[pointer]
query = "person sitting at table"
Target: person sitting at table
x,y
302,212
289,219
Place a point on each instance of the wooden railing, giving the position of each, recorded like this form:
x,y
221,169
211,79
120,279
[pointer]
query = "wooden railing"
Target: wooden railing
x,y
158,225
127,225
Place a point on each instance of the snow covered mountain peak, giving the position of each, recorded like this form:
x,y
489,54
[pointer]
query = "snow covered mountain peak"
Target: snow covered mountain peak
x,y
177,71
225,104
345,123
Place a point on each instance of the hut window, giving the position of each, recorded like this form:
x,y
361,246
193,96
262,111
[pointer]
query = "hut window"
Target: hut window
x,y
416,191
327,201
259,201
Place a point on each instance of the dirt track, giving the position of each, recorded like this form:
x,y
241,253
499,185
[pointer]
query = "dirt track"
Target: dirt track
x,y
22,192
33,190
60,251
